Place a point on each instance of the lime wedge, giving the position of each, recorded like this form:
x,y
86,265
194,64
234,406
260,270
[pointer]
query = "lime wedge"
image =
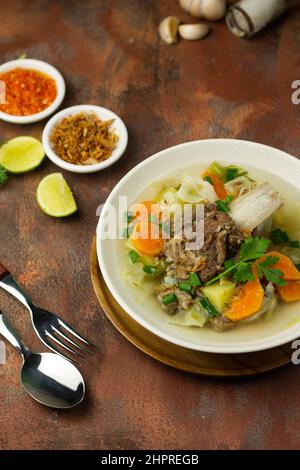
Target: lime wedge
x,y
55,197
21,154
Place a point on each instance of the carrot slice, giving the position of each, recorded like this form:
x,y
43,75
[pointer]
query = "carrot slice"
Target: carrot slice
x,y
144,209
285,264
248,300
290,292
145,238
217,184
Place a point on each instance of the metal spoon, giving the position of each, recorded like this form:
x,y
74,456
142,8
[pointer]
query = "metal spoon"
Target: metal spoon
x,y
47,377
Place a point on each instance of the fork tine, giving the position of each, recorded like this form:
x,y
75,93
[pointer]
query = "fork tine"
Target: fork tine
x,y
63,345
75,333
57,351
69,340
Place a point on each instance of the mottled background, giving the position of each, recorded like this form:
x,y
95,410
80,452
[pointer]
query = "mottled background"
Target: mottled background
x,y
110,54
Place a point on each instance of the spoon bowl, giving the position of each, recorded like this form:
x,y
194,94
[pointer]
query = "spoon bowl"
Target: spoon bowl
x,y
52,380
47,377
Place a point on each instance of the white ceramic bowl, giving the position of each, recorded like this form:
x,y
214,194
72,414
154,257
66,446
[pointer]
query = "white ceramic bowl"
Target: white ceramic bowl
x,y
104,114
263,162
43,67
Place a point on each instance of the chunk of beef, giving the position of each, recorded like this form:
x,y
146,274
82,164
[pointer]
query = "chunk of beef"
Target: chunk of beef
x,y
184,299
221,323
181,273
222,240
183,261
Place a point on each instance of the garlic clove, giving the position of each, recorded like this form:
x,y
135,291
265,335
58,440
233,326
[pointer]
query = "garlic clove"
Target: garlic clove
x,y
196,8
193,32
213,10
168,29
185,4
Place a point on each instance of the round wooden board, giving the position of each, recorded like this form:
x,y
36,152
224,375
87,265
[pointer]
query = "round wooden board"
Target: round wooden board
x,y
197,362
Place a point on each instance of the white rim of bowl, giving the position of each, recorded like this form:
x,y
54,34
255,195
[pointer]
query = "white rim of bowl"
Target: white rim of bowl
x,y
275,340
39,66
117,153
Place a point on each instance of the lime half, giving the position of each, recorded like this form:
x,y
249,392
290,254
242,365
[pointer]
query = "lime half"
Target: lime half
x,y
55,197
21,154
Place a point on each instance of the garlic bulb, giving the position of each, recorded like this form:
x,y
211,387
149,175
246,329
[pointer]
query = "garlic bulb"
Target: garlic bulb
x,y
195,8
168,29
212,10
193,32
185,4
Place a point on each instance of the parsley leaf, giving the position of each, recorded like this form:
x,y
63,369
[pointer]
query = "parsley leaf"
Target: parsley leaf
x,y
243,273
274,275
253,248
3,175
229,263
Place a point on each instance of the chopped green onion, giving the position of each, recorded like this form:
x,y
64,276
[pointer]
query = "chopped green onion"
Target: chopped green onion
x,y
152,218
229,263
134,256
164,227
279,236
232,172
149,269
208,306
216,169
194,280
169,299
223,206
185,286
129,217
294,244
126,233
208,179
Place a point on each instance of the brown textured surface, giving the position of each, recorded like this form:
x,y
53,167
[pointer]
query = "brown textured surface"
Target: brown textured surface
x,y
3,271
110,55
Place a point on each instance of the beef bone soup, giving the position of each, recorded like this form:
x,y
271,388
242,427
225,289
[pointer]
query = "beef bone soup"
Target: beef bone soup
x,y
247,263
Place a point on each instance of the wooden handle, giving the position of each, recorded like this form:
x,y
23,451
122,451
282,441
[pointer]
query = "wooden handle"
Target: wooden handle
x,y
3,271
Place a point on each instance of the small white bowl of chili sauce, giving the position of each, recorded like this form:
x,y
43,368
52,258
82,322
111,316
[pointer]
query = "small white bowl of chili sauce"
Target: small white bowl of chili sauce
x,y
30,90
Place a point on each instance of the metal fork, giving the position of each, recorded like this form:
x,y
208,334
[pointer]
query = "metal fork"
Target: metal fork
x,y
49,327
